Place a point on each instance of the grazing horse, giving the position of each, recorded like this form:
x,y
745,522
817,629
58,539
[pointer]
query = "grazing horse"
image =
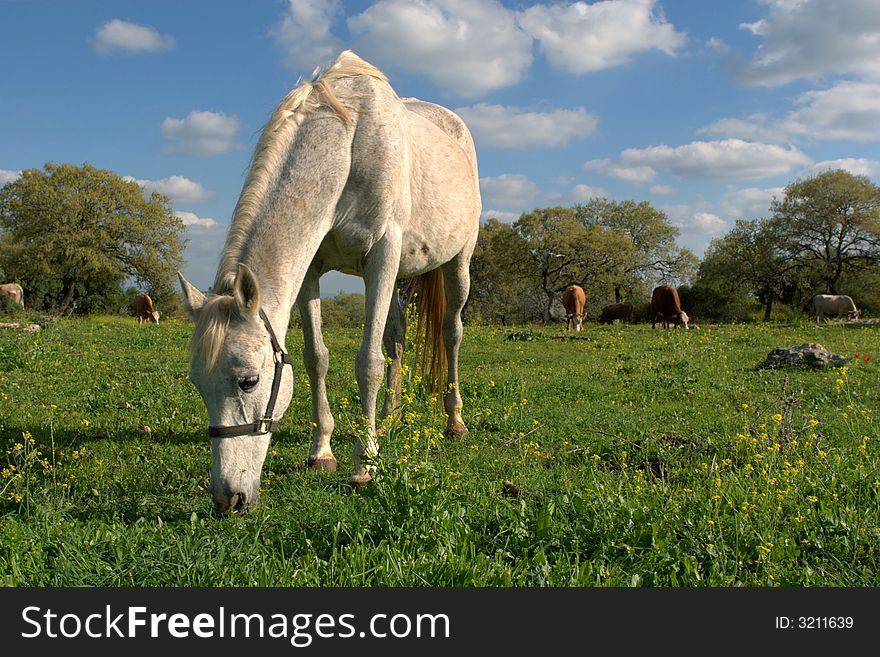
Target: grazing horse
x,y
12,292
346,176
574,300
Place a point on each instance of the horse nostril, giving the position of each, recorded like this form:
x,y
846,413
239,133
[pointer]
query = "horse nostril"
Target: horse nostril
x,y
237,503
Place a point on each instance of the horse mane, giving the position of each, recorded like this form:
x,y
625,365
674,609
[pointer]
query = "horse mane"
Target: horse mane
x,y
212,323
272,146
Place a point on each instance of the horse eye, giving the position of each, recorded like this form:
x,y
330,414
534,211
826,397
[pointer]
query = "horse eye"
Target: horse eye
x,y
248,383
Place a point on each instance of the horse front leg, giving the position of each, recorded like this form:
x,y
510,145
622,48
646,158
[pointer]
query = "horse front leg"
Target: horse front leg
x,y
316,359
380,274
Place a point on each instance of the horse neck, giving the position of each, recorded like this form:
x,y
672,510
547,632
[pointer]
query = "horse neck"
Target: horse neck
x,y
281,239
280,265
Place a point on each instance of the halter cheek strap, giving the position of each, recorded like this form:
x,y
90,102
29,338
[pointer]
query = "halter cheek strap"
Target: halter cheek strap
x,y
266,424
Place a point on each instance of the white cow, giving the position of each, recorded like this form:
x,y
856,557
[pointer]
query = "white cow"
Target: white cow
x,y
12,292
834,304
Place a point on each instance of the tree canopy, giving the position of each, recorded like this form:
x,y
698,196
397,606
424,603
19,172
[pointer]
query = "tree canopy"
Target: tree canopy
x,y
651,253
614,250
748,260
67,232
829,224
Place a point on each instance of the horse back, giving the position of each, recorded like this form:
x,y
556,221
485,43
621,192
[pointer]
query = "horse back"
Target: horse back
x,y
449,122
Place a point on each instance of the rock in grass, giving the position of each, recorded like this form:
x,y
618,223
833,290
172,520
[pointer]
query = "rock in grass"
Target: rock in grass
x,y
811,355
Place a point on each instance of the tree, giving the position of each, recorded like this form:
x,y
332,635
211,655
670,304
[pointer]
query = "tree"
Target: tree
x,y
551,257
829,224
68,231
748,260
499,282
651,252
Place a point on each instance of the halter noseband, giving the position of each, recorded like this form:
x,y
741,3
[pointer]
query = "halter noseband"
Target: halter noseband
x,y
265,424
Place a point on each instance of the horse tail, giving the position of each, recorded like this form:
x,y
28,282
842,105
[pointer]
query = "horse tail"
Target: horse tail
x,y
430,350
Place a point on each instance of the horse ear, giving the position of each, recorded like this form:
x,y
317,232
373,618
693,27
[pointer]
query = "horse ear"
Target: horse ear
x,y
193,298
246,290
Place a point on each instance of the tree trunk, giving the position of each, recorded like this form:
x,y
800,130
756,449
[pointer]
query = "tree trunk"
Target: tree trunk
x,y
70,288
768,307
547,316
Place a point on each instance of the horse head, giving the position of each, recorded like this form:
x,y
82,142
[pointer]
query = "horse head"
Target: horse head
x,y
237,365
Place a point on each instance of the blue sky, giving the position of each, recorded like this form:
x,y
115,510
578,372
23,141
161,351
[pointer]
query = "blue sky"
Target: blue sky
x,y
706,109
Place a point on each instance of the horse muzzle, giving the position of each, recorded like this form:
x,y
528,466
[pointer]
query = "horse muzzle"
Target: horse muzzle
x,y
236,470
229,503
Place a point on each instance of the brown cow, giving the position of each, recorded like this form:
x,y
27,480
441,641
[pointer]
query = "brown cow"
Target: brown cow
x,y
574,301
143,309
12,292
622,311
666,308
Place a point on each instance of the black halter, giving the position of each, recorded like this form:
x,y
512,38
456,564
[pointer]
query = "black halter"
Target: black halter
x,y
265,424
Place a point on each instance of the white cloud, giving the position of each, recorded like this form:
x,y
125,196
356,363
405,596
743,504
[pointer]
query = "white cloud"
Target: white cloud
x,y
753,128
582,193
467,47
812,38
848,110
845,111
117,35
177,188
858,166
470,47
749,202
662,190
512,127
304,33
729,159
581,37
708,223
200,133
698,225
500,215
8,176
634,174
509,190
192,220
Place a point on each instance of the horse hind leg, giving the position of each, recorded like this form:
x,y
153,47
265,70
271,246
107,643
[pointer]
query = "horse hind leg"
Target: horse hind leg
x,y
393,340
316,359
456,288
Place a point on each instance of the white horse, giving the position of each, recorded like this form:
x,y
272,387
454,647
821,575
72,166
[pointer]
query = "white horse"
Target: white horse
x,y
346,176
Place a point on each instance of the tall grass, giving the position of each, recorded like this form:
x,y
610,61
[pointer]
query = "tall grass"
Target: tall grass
x,y
620,456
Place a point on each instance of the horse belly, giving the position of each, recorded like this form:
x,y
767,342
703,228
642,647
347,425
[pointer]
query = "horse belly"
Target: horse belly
x,y
423,254
343,251
444,218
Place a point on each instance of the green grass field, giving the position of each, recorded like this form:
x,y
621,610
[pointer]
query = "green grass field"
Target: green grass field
x,y
622,456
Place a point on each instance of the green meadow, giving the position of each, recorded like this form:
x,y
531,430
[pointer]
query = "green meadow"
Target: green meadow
x,y
619,456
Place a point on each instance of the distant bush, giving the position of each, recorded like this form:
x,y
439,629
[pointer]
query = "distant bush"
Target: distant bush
x,y
345,310
705,303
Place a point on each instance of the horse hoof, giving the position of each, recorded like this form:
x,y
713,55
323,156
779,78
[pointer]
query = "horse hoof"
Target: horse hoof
x,y
457,431
326,463
359,480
